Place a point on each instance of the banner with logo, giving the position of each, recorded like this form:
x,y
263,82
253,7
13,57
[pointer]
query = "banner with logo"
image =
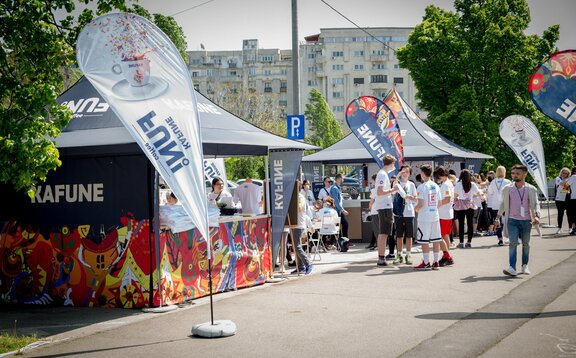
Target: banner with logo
x,y
376,128
523,137
215,168
284,165
552,88
134,66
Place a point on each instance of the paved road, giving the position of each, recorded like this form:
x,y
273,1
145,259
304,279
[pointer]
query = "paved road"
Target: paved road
x,y
351,308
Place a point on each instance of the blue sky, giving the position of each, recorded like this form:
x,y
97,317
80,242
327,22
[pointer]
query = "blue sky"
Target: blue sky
x,y
223,24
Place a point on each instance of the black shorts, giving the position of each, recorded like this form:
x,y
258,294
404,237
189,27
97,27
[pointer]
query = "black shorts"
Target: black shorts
x,y
404,226
385,221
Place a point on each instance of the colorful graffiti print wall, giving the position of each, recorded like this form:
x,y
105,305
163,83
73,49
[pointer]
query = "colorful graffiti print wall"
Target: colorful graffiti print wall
x,y
85,240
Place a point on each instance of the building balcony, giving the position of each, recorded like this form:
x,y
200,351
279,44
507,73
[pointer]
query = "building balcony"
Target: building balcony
x,y
378,85
267,89
379,58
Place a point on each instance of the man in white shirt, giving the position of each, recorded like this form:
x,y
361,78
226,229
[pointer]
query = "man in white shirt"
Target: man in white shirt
x,y
325,191
428,219
248,194
404,214
383,204
495,197
446,213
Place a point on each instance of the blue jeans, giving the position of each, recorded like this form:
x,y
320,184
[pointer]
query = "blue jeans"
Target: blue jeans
x,y
519,229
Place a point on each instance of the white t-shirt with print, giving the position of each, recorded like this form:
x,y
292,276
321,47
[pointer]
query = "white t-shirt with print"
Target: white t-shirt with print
x,y
561,192
495,192
248,194
572,182
410,189
430,193
446,211
459,189
382,201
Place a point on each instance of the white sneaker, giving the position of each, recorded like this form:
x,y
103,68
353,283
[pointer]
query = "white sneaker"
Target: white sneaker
x,y
506,242
558,232
525,270
510,271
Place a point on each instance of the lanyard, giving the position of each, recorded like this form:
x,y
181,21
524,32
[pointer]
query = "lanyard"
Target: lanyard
x,y
499,186
521,195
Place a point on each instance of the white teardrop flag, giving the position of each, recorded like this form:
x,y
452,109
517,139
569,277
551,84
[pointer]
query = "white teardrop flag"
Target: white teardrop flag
x,y
141,75
523,138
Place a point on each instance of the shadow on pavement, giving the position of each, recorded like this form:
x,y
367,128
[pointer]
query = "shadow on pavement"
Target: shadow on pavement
x,y
48,321
471,279
494,315
80,353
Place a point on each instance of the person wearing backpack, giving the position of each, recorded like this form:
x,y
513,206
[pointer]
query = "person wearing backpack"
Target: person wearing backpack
x,y
325,191
403,208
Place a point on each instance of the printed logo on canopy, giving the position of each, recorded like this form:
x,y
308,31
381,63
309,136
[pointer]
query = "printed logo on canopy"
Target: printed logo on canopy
x,y
375,126
523,138
552,88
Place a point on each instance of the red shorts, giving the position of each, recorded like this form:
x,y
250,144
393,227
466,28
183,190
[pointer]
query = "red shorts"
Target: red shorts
x,y
445,227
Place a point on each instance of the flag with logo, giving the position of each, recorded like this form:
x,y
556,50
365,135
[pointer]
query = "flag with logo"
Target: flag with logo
x,y
523,138
376,128
139,73
284,165
552,88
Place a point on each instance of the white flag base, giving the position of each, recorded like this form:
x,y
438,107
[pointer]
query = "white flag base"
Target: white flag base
x,y
220,328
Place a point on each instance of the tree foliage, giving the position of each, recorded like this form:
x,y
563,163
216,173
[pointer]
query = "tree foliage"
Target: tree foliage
x,y
256,108
325,129
471,68
37,63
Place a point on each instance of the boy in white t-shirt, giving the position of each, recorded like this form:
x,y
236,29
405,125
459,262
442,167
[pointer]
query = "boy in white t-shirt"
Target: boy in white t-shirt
x,y
383,204
445,212
428,219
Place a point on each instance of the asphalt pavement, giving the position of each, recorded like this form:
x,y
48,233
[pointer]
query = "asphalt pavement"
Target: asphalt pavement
x,y
349,307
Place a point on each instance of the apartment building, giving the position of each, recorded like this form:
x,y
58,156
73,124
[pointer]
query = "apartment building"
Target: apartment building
x,y
341,63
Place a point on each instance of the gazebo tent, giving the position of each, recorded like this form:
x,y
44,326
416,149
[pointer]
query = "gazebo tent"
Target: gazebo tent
x,y
421,143
85,239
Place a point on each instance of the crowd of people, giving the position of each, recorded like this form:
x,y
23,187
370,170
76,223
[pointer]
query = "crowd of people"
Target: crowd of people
x,y
440,208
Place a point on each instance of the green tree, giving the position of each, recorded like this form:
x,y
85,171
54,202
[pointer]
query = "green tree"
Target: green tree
x,y
256,108
37,62
471,68
325,129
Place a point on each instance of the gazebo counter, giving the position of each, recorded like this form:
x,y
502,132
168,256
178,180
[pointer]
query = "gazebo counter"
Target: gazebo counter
x,y
356,227
241,257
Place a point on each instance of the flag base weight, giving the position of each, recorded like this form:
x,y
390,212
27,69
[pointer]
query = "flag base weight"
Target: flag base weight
x,y
220,328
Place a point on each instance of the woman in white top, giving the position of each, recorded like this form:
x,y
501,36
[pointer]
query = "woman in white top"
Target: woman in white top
x,y
562,195
325,191
217,193
495,198
464,193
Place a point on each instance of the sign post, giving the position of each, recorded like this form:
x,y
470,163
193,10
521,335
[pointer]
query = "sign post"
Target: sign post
x,y
295,125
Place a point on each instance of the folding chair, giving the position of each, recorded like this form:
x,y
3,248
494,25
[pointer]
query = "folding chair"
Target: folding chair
x,y
330,226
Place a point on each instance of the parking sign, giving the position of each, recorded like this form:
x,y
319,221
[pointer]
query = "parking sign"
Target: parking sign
x,y
295,126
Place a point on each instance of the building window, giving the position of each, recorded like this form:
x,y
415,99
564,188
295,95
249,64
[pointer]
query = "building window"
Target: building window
x,y
337,94
195,61
358,67
311,55
358,93
251,71
396,66
337,53
379,79
312,83
359,80
284,72
312,69
267,87
378,52
337,81
379,66
398,80
338,67
267,58
337,108
283,86
358,53
232,73
267,72
210,72
195,74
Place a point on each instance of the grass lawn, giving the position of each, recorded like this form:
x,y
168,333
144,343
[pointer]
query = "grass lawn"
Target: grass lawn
x,y
10,342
